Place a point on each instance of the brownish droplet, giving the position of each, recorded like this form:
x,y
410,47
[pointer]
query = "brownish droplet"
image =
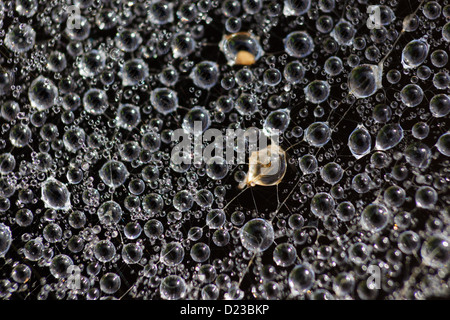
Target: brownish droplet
x,y
267,167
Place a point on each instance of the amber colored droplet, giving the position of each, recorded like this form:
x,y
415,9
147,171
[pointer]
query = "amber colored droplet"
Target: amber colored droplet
x,y
244,58
267,167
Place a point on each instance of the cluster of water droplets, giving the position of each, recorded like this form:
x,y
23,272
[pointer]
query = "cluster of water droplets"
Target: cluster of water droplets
x,y
94,203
